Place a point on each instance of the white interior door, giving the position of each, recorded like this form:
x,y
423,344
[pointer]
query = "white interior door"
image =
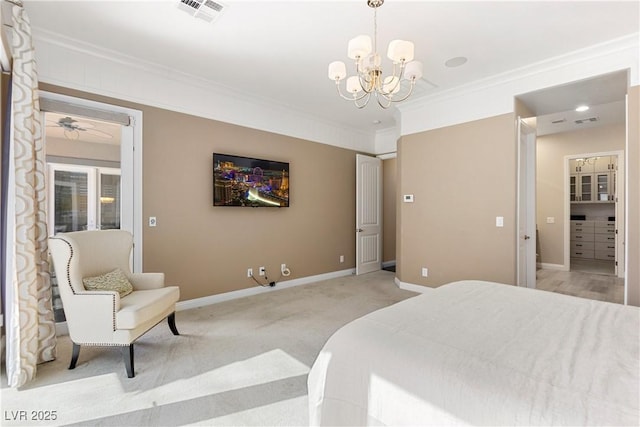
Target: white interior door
x,y
368,214
619,188
526,268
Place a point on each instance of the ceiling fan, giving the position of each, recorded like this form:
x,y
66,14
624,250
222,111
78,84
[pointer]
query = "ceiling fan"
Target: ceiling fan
x,y
72,128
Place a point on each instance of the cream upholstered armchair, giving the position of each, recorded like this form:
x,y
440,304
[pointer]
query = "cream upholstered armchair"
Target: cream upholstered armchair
x,y
88,264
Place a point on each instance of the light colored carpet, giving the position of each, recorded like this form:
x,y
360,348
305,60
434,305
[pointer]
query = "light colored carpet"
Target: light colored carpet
x,y
241,362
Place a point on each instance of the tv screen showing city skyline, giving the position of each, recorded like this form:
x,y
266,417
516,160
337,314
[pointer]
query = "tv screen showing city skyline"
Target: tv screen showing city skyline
x,y
249,182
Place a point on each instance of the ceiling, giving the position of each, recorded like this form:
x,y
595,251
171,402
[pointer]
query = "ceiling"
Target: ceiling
x,y
77,128
279,50
555,108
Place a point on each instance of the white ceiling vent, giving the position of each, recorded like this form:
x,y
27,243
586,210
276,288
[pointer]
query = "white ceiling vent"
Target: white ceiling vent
x,y
589,120
207,10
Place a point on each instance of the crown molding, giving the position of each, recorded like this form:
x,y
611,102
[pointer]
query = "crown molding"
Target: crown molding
x,y
323,131
386,140
495,95
621,44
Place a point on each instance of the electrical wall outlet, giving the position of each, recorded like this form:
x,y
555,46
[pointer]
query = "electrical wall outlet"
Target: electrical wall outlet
x,y
284,270
425,272
153,221
262,271
249,272
341,258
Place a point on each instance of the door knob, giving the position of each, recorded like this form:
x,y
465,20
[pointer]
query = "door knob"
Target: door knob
x,y
526,237
359,230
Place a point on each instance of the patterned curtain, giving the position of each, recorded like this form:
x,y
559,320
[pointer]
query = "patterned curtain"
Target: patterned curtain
x,y
30,324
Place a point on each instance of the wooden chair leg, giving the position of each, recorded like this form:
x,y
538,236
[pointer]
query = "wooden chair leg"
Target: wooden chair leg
x,y
74,355
127,352
171,320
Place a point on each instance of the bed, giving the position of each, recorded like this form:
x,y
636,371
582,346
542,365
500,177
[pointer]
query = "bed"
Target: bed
x,y
482,353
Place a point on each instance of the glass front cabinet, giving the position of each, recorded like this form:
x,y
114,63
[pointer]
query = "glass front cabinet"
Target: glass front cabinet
x,y
593,179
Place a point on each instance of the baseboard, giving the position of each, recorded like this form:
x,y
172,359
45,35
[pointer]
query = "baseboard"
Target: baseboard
x,y
61,327
227,296
389,263
411,287
547,266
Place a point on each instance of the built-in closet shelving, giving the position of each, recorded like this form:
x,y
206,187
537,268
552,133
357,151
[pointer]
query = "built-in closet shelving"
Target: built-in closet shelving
x,y
592,189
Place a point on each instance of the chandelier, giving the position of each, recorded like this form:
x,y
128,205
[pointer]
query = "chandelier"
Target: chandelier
x,y
369,79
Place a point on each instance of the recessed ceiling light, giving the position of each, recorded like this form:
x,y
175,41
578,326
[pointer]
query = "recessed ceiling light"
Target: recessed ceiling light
x,y
456,62
582,108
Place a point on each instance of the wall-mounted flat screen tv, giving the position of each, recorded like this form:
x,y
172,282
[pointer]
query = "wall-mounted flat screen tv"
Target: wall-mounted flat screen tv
x,y
250,182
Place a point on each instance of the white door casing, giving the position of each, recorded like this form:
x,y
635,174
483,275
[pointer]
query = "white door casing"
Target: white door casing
x,y
368,214
621,265
526,218
129,170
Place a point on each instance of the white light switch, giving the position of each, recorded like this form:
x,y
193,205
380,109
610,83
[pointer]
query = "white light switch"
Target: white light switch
x,y
408,198
152,221
499,221
551,220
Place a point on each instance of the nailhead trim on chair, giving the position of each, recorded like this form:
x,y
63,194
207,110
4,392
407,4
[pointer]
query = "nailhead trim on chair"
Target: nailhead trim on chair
x,y
113,298
98,344
92,344
68,263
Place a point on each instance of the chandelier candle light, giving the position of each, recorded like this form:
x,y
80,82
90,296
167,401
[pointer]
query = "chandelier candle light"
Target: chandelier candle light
x,y
368,79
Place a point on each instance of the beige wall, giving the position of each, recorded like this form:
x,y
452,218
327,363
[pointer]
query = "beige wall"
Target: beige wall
x,y
633,198
550,185
390,202
207,250
462,177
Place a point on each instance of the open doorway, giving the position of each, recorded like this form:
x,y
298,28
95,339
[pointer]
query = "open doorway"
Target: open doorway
x,y
390,202
564,134
594,194
94,177
68,119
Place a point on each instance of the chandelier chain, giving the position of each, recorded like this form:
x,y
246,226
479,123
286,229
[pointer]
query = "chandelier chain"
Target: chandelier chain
x,y
375,30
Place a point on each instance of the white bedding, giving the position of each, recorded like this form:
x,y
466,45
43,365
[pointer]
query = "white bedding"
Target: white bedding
x,y
484,353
